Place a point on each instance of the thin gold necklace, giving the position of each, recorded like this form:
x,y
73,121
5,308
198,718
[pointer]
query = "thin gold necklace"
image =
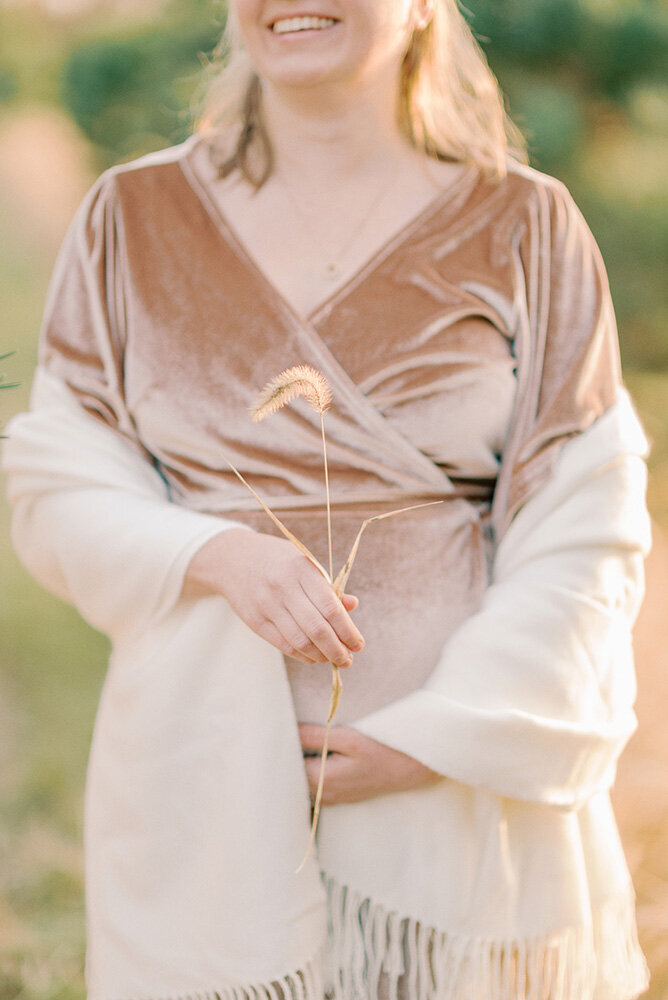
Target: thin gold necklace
x,y
333,268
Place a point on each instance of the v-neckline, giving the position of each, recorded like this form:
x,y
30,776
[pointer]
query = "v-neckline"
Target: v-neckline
x,y
394,242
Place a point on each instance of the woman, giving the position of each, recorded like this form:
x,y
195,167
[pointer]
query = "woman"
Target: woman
x,y
351,201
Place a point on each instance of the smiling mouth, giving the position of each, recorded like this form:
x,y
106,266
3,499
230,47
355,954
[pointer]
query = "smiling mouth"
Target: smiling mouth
x,y
290,25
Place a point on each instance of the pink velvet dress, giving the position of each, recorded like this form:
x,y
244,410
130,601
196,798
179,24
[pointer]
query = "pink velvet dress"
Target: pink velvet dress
x,y
460,359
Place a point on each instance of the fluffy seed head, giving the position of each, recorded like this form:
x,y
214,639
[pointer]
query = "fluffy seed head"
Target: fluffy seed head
x,y
301,380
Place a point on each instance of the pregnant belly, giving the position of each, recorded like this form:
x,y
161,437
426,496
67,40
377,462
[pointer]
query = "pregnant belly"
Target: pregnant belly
x,y
417,576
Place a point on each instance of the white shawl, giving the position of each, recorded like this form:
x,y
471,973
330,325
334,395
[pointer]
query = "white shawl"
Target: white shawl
x,y
197,812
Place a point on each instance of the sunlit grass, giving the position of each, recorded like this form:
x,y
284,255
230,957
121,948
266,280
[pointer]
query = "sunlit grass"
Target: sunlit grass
x,y
51,669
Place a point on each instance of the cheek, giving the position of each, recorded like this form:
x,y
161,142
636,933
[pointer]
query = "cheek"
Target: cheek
x,y
393,17
246,17
389,28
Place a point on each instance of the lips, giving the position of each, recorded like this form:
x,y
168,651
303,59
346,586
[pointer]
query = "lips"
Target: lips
x,y
301,22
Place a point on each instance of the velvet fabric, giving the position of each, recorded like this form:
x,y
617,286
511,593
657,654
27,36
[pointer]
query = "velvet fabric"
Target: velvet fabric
x,y
482,328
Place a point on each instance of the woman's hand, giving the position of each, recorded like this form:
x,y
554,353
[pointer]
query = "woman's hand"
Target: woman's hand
x,y
358,767
279,594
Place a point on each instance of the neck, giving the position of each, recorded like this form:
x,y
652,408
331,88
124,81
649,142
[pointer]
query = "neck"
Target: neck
x,y
333,136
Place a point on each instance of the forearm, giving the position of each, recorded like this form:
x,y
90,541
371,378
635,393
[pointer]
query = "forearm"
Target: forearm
x,y
91,519
533,696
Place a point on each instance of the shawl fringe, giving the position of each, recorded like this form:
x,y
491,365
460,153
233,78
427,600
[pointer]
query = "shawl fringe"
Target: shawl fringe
x,y
375,954
304,984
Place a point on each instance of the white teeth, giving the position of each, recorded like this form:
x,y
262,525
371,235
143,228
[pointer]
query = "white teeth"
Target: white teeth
x,y
301,24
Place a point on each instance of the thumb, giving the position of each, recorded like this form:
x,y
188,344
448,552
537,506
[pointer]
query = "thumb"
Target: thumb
x,y
311,735
349,601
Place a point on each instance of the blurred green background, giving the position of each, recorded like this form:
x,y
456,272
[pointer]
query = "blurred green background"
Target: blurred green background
x,y
88,83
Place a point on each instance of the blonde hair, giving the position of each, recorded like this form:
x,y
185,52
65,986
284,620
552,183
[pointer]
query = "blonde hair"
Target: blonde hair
x,y
449,104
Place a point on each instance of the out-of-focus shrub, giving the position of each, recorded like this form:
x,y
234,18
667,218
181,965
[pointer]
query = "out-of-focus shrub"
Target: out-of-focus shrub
x,y
577,53
128,94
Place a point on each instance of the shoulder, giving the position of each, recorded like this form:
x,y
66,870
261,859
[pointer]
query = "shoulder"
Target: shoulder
x,y
546,203
133,196
525,198
138,176
150,165
533,186
527,217
147,175
537,213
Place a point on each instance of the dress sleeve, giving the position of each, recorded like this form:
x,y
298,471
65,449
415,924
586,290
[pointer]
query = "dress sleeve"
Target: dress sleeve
x,y
566,344
92,518
532,697
82,339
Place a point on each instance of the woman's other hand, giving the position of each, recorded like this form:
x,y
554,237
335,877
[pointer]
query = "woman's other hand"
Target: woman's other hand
x,y
279,594
357,767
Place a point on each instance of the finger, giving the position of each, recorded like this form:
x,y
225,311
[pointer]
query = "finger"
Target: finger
x,y
267,630
346,741
349,601
331,608
342,739
318,629
337,776
297,637
336,616
312,736
312,768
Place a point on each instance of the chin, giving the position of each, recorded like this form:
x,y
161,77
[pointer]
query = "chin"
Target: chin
x,y
303,78
310,74
305,65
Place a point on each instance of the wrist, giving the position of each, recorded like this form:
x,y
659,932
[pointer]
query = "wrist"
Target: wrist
x,y
207,571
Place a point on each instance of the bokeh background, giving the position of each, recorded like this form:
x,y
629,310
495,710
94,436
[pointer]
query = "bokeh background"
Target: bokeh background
x,y
88,83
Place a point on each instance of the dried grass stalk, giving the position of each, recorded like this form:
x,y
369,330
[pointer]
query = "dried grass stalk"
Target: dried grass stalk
x,y
279,524
302,380
337,687
343,574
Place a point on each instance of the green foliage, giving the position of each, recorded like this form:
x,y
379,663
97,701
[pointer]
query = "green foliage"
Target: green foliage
x,y
573,56
604,54
126,93
31,54
552,118
525,31
633,49
634,242
8,85
130,92
3,384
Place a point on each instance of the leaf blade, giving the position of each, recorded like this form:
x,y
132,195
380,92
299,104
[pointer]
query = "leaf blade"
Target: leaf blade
x,y
279,524
342,576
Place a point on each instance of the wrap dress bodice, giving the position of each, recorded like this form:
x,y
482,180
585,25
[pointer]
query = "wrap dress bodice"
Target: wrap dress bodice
x,y
422,373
